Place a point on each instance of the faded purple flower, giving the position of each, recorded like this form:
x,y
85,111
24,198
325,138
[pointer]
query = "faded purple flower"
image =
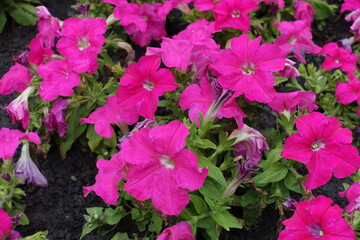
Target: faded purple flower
x,y
84,9
26,168
290,203
55,119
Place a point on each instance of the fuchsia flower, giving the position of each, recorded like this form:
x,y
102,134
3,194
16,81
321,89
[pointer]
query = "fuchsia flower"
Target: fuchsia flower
x,y
48,26
233,13
82,39
180,231
204,5
280,3
143,84
350,5
5,223
212,100
317,219
352,194
246,68
324,147
348,92
55,119
39,52
161,169
10,139
16,79
304,11
286,103
338,57
289,70
18,109
26,168
60,76
110,173
296,38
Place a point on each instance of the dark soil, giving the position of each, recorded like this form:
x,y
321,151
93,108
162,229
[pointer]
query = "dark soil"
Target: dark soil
x,y
59,208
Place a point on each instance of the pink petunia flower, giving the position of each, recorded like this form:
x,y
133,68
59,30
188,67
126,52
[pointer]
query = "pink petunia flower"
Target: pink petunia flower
x,y
16,79
233,13
26,168
317,219
110,173
18,109
10,139
60,76
350,5
39,52
5,223
181,230
142,85
286,103
204,5
296,38
55,118
352,194
348,92
324,147
289,70
49,27
338,57
246,68
280,3
161,169
304,11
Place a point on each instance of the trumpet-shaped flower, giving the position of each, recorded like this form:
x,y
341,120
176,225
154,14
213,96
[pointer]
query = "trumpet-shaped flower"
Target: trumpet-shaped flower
x,y
26,168
349,92
352,194
49,26
246,68
317,219
5,223
110,173
204,5
304,11
55,118
161,169
324,147
181,230
18,109
10,139
16,79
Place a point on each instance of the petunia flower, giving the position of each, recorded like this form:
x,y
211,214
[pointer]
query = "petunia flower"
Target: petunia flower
x,y
26,168
10,139
246,68
49,27
204,5
55,118
180,231
348,92
16,79
289,70
324,147
5,223
212,101
296,38
18,109
110,173
317,219
161,169
304,11
352,194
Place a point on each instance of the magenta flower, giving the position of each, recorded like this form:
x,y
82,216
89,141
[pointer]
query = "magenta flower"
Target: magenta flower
x,y
324,147
18,109
355,27
204,5
348,92
296,38
10,139
233,13
48,26
26,168
5,223
246,68
181,230
289,70
16,79
60,76
212,102
352,194
338,57
55,118
286,103
350,5
304,11
143,84
317,219
161,169
39,52
110,173
280,3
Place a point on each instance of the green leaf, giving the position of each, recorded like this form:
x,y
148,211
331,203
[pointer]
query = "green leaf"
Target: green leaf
x,y
93,137
273,157
199,204
120,236
274,173
113,216
24,14
250,197
226,220
279,80
87,228
322,9
214,172
24,220
2,20
155,224
209,190
293,183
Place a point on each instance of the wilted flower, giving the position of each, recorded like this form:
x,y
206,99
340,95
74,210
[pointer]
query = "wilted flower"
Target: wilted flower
x,y
181,230
290,203
55,119
26,168
352,194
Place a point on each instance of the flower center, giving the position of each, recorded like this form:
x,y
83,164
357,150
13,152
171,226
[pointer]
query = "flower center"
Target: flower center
x,y
356,205
317,145
167,161
235,13
316,231
216,2
292,40
148,85
83,43
248,68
